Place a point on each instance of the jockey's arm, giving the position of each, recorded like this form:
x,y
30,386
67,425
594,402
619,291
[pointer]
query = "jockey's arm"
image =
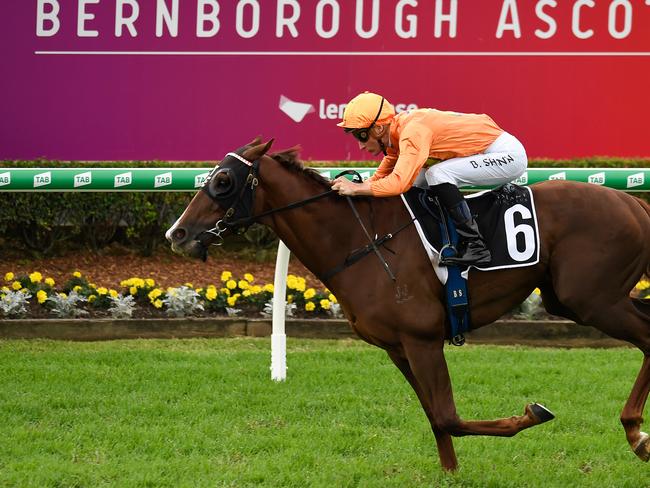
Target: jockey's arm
x,y
414,148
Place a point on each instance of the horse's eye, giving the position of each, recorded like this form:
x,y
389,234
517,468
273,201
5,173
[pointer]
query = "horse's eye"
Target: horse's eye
x,y
221,183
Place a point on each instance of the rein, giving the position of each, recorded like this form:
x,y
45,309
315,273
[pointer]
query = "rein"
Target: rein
x,y
226,223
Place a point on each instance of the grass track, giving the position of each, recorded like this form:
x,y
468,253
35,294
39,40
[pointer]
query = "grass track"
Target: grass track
x,y
199,413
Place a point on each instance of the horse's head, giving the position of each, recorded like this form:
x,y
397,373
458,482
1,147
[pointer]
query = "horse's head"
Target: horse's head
x,y
224,202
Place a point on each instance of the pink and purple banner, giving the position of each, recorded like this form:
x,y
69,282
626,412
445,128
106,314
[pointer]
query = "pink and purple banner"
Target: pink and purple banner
x,y
193,79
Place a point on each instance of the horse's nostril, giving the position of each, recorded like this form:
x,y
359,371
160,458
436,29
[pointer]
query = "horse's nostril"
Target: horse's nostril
x,y
179,235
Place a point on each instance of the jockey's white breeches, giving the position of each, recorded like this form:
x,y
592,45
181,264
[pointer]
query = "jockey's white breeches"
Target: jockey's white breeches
x,y
503,161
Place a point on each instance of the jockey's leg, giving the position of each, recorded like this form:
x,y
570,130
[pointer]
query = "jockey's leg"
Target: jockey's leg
x,y
504,160
473,249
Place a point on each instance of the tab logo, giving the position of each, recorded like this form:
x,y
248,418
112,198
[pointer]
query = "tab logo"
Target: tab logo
x,y
123,179
558,176
83,179
522,180
365,175
164,179
597,179
200,179
42,179
5,179
637,179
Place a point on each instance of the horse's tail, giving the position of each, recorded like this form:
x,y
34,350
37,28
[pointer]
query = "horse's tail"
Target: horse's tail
x,y
645,207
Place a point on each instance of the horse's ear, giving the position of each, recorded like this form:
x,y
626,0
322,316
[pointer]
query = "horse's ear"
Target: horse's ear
x,y
255,141
257,151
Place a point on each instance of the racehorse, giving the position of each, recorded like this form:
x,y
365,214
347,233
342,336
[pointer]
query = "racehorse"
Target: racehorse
x,y
595,246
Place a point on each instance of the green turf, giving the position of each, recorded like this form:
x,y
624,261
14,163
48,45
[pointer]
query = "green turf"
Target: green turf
x,y
204,413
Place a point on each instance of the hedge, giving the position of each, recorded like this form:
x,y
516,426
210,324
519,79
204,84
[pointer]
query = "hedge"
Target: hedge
x,y
53,223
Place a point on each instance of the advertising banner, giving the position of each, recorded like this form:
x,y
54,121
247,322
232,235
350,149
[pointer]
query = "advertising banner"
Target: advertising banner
x,y
194,79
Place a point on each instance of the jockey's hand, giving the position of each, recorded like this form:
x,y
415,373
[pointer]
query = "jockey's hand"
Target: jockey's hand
x,y
346,188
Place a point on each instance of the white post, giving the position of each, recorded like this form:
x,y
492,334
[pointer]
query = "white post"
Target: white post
x,y
278,337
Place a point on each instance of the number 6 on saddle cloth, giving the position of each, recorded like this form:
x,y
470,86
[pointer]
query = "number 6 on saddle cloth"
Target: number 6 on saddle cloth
x,y
507,220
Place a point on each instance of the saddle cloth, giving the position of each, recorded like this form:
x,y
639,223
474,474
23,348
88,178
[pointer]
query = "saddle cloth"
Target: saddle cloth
x,y
506,218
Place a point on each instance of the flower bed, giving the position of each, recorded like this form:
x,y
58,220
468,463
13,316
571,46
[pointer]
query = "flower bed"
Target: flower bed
x,y
34,296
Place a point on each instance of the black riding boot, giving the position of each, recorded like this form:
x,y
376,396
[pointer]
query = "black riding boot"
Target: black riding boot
x,y
472,248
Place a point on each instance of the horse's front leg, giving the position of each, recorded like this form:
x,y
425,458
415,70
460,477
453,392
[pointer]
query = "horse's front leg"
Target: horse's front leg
x,y
429,368
444,441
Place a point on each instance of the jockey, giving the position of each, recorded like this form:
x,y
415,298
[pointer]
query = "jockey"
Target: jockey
x,y
457,149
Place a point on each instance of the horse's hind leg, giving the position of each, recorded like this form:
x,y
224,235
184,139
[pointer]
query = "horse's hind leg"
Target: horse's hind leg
x,y
632,414
627,322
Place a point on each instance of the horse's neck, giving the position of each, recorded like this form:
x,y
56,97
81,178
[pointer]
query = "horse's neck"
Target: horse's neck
x,y
317,233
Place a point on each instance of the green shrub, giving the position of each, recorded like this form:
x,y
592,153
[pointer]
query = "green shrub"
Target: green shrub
x,y
53,223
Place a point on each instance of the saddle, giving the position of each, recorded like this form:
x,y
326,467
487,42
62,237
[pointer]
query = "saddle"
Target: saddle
x,y
507,220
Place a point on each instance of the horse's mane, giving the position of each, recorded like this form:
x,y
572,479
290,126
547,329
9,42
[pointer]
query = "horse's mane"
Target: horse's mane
x,y
289,159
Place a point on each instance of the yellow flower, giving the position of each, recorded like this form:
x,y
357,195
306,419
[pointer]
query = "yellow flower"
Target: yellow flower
x,y
155,293
225,290
92,298
4,289
76,274
92,285
232,300
244,285
76,288
9,276
246,293
289,298
292,282
255,289
310,306
49,281
225,276
333,299
133,290
211,293
268,287
249,277
537,291
150,283
102,291
16,285
231,284
63,295
301,285
158,304
310,293
35,277
113,293
641,285
189,285
41,296
325,304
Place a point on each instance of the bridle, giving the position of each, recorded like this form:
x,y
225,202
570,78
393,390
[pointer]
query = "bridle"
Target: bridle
x,y
240,201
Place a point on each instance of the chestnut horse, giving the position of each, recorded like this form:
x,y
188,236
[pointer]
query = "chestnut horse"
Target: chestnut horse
x,y
595,246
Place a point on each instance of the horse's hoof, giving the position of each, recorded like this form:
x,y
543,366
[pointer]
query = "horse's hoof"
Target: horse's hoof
x,y
642,448
541,413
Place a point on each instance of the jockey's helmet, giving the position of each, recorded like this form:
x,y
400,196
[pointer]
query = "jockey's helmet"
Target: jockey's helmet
x,y
366,110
